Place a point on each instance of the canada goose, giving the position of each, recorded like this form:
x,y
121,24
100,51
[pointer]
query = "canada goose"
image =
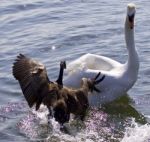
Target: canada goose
x,y
34,82
37,89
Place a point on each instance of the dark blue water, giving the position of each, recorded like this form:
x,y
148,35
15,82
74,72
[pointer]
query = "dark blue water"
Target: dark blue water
x,y
50,31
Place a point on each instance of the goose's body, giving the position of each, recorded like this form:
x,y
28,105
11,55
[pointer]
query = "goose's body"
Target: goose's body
x,y
119,77
34,82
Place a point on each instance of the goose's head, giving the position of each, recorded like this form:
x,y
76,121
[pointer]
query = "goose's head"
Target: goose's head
x,y
131,10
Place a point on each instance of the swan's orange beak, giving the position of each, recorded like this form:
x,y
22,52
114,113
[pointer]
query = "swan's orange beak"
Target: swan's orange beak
x,y
131,21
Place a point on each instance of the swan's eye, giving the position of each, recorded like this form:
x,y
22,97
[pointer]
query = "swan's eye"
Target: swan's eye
x,y
131,18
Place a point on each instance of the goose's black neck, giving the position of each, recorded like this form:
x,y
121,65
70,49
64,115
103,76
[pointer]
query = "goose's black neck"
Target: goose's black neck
x,y
61,71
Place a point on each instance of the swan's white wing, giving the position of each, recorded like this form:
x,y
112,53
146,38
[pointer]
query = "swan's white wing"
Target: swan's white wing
x,y
92,61
79,68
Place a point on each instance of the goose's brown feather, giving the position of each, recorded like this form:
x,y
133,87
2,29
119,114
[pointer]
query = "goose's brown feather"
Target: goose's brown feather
x,y
33,79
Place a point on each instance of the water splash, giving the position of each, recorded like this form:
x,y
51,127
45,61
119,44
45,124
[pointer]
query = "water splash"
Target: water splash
x,y
137,132
12,110
99,126
100,123
34,125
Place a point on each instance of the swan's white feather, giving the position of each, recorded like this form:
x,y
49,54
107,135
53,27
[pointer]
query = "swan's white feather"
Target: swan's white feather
x,y
93,61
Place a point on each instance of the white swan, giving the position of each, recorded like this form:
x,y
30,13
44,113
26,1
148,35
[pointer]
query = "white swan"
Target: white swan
x,y
119,77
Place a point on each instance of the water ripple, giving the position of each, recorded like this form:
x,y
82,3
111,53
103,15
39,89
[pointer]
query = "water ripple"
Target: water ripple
x,y
51,31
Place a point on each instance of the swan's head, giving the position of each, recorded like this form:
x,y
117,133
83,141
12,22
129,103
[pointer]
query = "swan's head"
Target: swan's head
x,y
131,10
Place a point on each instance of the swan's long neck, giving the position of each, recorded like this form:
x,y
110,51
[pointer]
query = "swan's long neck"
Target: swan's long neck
x,y
132,64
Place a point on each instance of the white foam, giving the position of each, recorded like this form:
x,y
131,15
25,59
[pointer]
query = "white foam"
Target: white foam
x,y
137,133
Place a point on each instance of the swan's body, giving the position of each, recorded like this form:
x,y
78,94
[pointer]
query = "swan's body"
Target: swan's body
x,y
119,77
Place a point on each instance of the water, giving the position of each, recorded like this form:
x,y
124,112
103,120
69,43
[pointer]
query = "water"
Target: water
x,y
50,31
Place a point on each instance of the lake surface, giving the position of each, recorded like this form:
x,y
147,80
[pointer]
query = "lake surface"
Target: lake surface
x,y
51,31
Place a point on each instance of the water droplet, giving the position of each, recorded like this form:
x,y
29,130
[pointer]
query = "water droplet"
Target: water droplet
x,y
53,47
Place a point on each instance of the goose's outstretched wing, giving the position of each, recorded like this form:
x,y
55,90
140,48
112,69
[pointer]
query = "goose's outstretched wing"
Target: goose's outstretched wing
x,y
33,79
